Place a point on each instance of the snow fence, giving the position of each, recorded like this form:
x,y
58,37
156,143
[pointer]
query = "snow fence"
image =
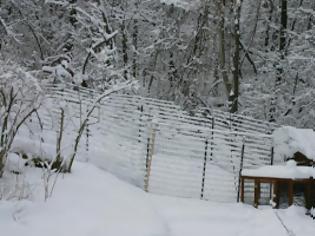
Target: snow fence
x,y
157,146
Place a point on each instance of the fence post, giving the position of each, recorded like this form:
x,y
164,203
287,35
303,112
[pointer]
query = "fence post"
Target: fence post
x,y
212,138
87,137
148,162
87,129
240,171
271,163
140,108
58,160
204,170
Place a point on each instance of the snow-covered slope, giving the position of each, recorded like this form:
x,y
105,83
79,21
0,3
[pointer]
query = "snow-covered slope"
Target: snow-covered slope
x,y
90,201
86,202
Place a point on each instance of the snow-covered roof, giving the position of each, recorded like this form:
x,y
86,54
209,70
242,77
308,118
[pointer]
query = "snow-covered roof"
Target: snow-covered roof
x,y
288,171
289,140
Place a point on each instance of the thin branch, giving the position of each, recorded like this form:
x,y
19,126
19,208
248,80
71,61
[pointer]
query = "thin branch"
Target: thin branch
x,y
89,113
246,52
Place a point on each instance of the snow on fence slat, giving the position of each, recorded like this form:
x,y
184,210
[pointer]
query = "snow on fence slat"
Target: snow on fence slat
x,y
193,156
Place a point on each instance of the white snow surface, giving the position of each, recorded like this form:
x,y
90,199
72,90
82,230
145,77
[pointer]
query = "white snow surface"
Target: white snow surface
x,y
86,202
90,201
288,171
289,140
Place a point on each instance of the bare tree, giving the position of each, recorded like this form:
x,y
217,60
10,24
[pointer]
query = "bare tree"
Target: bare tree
x,y
19,99
90,111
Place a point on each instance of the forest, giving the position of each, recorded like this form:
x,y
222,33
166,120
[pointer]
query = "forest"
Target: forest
x,y
250,57
157,117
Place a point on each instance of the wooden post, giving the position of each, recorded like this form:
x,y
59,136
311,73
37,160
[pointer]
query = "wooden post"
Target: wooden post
x,y
212,138
242,189
87,137
240,174
204,170
150,151
87,131
140,108
58,159
275,197
307,194
271,163
256,193
290,192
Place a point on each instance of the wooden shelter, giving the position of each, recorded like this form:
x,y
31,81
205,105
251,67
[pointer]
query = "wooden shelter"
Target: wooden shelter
x,y
291,178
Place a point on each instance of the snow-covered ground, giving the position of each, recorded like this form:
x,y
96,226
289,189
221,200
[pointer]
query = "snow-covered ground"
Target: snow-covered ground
x,y
90,201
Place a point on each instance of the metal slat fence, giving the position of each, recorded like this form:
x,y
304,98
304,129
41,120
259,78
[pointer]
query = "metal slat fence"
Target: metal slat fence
x,y
196,156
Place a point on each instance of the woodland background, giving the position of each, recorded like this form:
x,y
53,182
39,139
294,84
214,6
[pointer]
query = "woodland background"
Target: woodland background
x,y
256,58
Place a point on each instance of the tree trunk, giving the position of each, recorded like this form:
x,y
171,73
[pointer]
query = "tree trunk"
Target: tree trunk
x,y
279,65
236,57
222,60
311,19
283,26
124,48
135,48
267,37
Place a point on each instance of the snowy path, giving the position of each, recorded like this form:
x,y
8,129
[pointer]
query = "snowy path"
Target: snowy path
x,y
194,217
92,202
187,217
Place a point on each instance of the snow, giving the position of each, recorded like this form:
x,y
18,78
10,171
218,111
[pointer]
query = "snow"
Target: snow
x,y
90,201
188,217
289,140
185,4
288,171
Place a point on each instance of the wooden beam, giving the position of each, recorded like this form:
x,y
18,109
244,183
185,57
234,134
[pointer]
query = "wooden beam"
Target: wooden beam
x,y
307,195
275,197
290,192
150,152
242,189
272,179
256,193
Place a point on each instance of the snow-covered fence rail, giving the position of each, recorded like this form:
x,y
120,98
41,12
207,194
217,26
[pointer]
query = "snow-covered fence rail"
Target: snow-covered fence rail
x,y
191,156
204,164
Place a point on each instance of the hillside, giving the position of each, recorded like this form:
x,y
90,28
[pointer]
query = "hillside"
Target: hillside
x,y
92,202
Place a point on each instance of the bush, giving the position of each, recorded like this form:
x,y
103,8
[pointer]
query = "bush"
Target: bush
x,y
19,99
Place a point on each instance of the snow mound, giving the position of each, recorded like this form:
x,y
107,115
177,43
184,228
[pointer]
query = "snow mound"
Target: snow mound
x,y
90,201
86,202
289,140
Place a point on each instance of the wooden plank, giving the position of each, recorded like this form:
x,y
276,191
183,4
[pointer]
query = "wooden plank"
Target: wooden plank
x,y
307,195
242,189
256,193
290,192
271,179
275,197
149,160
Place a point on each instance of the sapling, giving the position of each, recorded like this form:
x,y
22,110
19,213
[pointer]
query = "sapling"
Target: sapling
x,y
90,111
19,99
